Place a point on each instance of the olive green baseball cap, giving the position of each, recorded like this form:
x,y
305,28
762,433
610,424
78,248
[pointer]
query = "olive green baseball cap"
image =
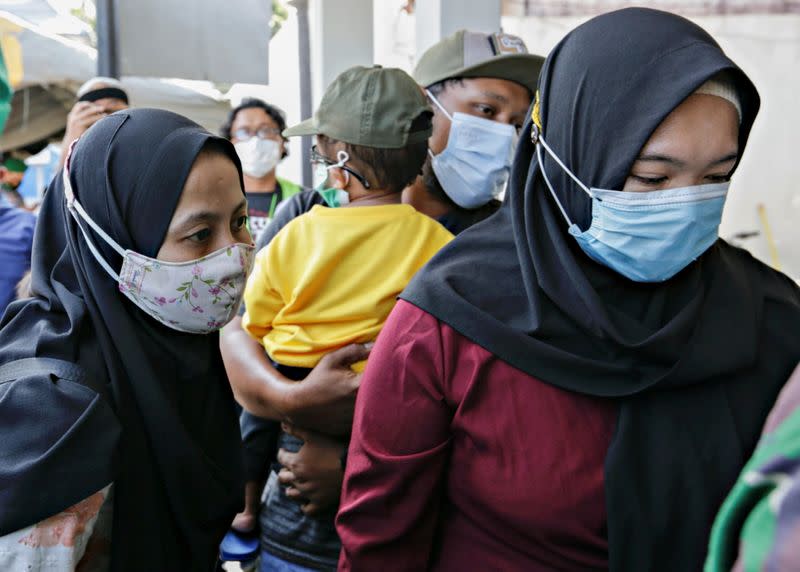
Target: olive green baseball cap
x,y
474,54
372,107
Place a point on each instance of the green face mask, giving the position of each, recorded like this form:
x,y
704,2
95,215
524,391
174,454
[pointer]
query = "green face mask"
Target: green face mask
x,y
334,198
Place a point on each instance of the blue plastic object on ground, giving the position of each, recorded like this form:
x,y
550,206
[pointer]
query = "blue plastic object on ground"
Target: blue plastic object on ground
x,y
237,547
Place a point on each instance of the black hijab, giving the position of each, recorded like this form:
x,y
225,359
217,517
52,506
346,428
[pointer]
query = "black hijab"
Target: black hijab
x,y
694,363
172,445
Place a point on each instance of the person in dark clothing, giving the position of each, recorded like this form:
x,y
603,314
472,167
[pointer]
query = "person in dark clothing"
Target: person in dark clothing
x,y
480,87
16,241
110,374
576,382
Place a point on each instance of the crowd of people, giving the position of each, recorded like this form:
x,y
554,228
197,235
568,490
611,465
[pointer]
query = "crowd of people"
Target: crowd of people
x,y
500,333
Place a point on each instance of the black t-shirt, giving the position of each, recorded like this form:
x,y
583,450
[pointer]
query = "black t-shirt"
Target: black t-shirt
x,y
261,208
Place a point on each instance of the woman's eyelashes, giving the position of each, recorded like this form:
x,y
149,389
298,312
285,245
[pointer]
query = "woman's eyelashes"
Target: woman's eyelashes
x,y
660,181
650,181
205,235
240,222
201,236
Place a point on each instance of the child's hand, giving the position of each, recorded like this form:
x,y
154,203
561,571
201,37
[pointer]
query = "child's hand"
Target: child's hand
x,y
313,476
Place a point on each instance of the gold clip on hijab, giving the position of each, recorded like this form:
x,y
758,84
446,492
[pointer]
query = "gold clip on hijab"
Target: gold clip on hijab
x,y
536,126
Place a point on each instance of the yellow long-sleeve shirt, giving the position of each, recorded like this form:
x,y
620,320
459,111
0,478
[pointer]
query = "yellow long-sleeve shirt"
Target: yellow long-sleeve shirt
x,y
331,276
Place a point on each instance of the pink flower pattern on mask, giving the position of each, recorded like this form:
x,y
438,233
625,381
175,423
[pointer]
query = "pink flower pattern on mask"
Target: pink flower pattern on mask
x,y
200,296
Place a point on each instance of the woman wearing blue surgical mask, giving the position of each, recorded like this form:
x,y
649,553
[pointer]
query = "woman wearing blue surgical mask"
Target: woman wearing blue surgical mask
x,y
121,448
586,372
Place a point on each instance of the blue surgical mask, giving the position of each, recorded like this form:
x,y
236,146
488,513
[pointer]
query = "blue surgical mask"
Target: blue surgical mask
x,y
474,166
334,198
646,236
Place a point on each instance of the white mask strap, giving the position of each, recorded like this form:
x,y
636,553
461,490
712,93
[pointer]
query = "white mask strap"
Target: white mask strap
x,y
439,105
562,165
343,159
76,209
549,186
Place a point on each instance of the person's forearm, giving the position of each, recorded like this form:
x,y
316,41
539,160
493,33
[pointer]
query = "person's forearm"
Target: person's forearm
x,y
322,402
256,384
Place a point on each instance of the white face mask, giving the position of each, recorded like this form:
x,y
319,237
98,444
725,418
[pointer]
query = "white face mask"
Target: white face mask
x,y
258,156
198,296
474,166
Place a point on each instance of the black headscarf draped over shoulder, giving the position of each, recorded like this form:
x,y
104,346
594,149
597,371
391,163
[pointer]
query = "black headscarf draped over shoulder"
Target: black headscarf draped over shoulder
x,y
164,431
694,363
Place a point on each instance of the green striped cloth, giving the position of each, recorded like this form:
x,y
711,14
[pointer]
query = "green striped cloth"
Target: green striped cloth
x,y
758,526
5,92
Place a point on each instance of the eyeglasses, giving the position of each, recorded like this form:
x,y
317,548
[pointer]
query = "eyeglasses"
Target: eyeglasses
x,y
317,157
244,133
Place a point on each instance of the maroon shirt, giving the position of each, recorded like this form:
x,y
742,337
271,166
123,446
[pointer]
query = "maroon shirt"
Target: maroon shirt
x,y
458,461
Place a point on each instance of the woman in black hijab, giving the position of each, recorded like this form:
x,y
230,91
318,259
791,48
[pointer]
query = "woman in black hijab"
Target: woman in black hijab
x,y
575,383
108,377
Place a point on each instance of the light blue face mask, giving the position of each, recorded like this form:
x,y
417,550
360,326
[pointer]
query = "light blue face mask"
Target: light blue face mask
x,y
474,166
646,236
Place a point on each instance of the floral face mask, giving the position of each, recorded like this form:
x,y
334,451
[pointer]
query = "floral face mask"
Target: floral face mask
x,y
197,297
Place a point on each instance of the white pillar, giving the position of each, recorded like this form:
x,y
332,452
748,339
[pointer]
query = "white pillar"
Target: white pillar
x,y
437,19
341,37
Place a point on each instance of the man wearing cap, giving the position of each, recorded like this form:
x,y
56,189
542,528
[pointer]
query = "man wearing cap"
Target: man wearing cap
x,y
480,86
489,77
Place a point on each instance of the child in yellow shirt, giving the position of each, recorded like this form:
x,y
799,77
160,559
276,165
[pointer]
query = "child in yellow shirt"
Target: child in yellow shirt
x,y
330,277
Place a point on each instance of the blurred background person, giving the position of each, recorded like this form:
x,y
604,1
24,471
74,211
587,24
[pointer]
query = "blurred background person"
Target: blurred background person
x,y
254,127
16,240
11,172
98,97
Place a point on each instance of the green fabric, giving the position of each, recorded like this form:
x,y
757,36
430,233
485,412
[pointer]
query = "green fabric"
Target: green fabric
x,y
288,188
372,107
14,165
449,59
747,524
5,93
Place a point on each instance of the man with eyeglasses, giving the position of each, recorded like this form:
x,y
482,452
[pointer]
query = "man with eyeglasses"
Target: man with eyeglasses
x,y
254,127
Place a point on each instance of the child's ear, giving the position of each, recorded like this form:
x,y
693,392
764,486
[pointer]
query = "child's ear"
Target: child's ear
x,y
338,178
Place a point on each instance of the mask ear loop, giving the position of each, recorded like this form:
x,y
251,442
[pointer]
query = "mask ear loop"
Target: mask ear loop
x,y
343,159
540,142
76,209
443,110
439,105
